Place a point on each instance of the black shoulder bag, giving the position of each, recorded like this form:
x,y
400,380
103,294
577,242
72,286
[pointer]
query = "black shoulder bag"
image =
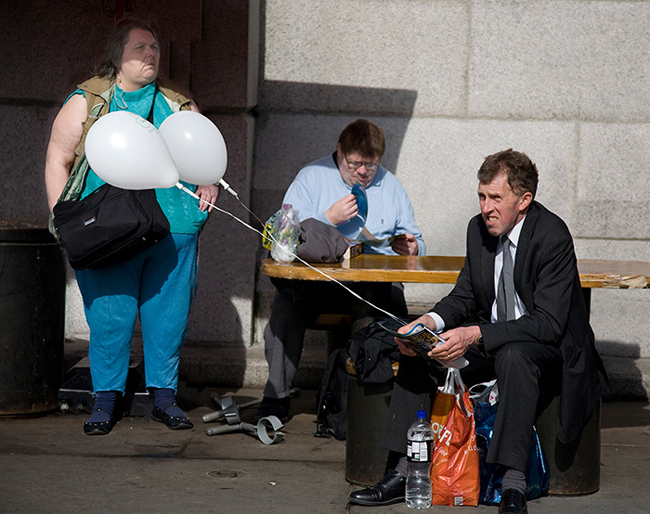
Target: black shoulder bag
x,y
111,225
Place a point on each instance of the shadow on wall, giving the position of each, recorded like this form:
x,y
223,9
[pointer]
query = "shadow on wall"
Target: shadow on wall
x,y
625,415
304,98
221,244
299,123
626,380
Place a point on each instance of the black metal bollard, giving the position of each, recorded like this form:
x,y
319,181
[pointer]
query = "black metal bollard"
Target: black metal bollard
x,y
32,314
365,460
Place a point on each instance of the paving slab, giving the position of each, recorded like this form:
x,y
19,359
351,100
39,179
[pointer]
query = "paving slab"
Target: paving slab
x,y
49,466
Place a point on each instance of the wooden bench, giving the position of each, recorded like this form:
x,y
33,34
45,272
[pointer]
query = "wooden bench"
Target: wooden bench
x,y
338,327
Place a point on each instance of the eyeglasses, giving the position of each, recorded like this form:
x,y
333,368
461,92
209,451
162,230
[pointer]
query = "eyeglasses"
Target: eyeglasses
x,y
370,166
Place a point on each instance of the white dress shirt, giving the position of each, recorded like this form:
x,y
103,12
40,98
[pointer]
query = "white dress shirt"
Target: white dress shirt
x,y
520,308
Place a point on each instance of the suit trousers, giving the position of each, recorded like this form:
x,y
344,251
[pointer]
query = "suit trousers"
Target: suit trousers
x,y
295,304
528,375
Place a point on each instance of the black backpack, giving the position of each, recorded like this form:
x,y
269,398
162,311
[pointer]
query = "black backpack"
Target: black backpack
x,y
332,401
372,352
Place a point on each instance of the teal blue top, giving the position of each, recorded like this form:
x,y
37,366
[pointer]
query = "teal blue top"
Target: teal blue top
x,y
180,208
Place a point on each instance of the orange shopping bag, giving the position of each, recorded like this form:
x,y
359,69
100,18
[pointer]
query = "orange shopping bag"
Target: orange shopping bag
x,y
455,469
445,396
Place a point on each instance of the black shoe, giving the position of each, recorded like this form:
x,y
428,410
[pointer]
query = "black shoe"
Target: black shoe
x,y
512,502
278,407
99,427
390,489
172,422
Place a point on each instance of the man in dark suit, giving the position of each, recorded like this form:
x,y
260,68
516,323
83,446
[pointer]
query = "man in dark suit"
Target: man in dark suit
x,y
517,313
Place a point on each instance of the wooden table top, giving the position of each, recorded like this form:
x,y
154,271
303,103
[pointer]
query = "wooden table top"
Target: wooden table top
x,y
437,269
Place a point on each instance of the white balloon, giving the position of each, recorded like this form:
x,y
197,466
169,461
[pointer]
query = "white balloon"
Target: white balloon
x,y
126,151
197,146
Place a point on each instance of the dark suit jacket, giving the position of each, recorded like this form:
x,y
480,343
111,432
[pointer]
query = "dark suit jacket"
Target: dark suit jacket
x,y
547,281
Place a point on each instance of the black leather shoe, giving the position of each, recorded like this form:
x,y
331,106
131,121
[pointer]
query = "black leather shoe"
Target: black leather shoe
x,y
172,422
390,489
512,502
278,407
99,427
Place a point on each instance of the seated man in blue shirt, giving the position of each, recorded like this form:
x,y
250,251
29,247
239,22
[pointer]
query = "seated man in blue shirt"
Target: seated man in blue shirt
x,y
323,191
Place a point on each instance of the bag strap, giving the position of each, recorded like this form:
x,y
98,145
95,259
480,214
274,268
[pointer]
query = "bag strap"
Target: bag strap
x,y
480,390
454,385
77,179
449,387
153,102
75,184
487,392
453,382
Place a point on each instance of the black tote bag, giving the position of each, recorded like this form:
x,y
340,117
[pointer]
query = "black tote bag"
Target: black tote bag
x,y
109,226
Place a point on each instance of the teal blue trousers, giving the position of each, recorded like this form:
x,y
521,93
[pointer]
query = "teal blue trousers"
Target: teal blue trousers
x,y
158,284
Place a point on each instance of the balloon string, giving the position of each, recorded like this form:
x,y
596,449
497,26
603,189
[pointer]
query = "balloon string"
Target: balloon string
x,y
226,187
270,236
254,215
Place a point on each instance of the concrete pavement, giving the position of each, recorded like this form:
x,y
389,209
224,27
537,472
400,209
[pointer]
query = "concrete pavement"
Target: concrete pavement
x,y
48,466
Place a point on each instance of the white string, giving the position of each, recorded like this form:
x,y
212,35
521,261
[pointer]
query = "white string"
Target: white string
x,y
392,316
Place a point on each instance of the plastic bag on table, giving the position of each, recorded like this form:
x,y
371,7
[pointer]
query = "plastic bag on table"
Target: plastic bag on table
x,y
286,234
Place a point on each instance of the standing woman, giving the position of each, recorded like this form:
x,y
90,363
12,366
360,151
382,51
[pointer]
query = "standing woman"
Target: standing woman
x,y
158,282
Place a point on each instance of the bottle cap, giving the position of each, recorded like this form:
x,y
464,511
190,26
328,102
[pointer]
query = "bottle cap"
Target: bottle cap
x,y
422,414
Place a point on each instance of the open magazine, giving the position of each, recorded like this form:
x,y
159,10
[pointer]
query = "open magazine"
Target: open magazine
x,y
422,339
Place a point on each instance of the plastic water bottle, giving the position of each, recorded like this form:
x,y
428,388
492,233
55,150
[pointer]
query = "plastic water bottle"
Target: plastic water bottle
x,y
418,453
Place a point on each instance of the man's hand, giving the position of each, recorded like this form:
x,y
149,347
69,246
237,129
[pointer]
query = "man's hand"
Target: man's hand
x,y
209,194
405,244
342,210
458,340
425,320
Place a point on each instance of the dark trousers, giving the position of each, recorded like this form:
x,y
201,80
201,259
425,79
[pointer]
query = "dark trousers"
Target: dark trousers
x,y
294,305
528,375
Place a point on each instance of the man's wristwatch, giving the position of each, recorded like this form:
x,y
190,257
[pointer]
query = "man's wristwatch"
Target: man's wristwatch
x,y
479,343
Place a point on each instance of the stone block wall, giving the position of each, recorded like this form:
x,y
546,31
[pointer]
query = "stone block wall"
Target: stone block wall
x,y
450,81
453,81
